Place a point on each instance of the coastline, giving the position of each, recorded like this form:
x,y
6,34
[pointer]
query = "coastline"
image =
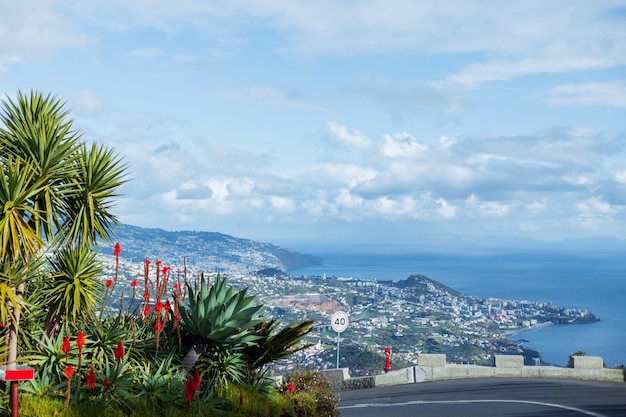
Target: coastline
x,y
525,329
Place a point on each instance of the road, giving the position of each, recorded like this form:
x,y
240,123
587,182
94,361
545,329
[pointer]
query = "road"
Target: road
x,y
501,397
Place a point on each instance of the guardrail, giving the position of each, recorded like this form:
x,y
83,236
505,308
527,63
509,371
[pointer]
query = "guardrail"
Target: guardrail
x,y
433,367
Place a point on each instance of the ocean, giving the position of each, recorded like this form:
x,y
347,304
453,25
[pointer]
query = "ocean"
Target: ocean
x,y
595,281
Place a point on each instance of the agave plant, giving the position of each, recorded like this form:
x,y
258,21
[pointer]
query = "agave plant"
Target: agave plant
x,y
219,315
157,384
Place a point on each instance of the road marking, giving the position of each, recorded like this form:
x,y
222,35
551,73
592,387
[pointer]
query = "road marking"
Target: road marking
x,y
563,407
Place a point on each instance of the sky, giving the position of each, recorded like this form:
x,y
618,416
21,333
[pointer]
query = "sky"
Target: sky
x,y
363,121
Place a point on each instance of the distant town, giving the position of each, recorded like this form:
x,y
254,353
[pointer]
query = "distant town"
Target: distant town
x,y
411,316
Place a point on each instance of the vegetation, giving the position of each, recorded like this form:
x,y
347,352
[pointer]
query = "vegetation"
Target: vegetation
x,y
180,346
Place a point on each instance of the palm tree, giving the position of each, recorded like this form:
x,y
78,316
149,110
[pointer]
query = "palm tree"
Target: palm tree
x,y
54,191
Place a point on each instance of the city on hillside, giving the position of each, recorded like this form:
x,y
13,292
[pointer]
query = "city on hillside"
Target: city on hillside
x,y
411,316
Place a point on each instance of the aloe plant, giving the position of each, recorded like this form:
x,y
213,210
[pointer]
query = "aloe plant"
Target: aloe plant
x,y
218,315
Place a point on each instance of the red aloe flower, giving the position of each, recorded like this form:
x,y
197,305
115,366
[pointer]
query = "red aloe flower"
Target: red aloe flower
x,y
166,269
108,283
291,388
119,355
146,295
158,306
65,346
146,312
80,342
117,249
196,380
191,386
69,372
91,379
146,272
158,325
119,351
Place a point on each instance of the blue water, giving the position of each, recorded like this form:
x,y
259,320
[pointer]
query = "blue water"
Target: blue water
x,y
576,279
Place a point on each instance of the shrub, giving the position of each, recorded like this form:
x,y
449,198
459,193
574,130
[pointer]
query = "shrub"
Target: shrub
x,y
319,387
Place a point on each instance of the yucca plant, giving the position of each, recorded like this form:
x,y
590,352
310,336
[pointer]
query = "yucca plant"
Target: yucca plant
x,y
75,286
219,315
223,368
277,343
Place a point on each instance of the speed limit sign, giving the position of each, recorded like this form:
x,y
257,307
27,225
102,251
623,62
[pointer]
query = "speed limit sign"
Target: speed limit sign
x,y
339,321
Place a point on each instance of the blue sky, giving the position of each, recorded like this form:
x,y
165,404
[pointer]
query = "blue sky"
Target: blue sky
x,y
389,121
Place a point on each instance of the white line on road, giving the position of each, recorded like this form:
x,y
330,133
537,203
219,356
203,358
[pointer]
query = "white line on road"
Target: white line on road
x,y
563,407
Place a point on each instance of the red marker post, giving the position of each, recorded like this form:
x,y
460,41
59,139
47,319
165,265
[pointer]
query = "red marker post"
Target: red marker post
x,y
14,374
388,359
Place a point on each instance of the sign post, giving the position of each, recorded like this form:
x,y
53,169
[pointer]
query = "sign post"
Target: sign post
x,y
13,374
339,323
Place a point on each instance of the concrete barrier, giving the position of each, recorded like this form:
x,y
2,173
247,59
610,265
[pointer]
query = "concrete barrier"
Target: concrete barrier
x,y
396,377
588,362
433,367
509,361
431,359
337,375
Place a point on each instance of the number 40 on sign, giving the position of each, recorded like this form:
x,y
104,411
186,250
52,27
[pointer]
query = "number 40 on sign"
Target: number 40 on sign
x,y
339,321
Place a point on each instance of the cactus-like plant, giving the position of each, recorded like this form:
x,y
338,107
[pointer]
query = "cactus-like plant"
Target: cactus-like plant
x,y
218,315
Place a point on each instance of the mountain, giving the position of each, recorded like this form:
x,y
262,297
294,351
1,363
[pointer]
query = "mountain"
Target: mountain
x,y
424,284
209,251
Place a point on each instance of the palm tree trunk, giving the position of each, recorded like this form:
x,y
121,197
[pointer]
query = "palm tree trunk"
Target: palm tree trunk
x,y
13,328
193,355
51,324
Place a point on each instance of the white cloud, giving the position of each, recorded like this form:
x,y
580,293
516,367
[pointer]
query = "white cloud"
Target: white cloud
x,y
241,187
34,28
446,142
354,138
403,207
478,73
595,205
487,208
401,145
537,207
446,210
620,176
345,199
589,94
282,204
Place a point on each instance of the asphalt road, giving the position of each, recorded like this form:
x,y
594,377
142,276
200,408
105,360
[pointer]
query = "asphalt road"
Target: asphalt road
x,y
501,397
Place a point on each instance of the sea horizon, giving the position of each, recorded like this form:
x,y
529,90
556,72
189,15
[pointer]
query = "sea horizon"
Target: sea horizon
x,y
591,280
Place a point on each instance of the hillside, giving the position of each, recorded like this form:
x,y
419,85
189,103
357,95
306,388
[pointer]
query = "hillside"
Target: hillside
x,y
206,250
